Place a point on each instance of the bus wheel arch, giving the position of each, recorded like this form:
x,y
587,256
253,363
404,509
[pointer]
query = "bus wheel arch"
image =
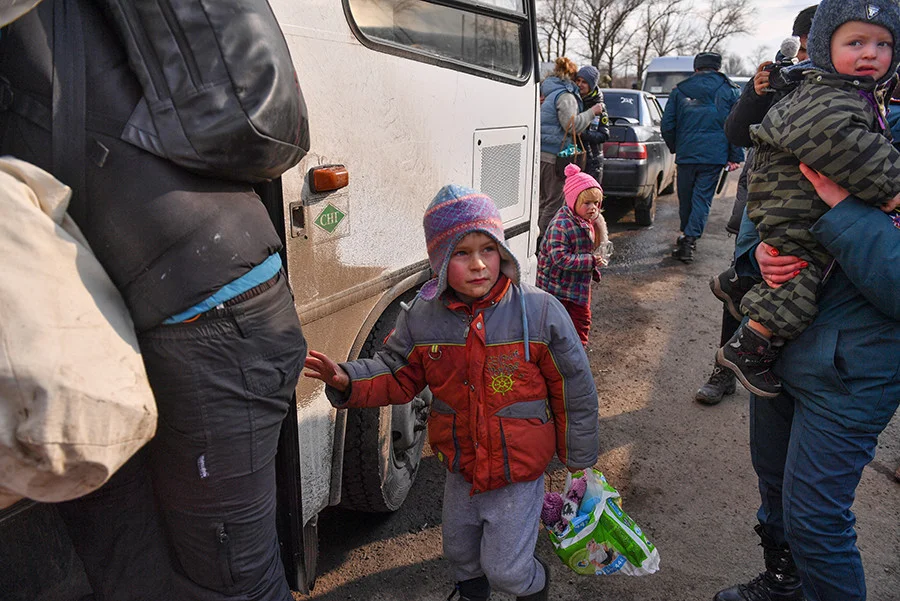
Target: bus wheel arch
x,y
383,445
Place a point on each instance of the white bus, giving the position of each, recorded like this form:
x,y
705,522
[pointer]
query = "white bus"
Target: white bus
x,y
404,96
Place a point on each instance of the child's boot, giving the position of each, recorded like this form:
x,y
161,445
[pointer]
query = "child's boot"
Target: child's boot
x,y
750,356
730,288
544,593
473,589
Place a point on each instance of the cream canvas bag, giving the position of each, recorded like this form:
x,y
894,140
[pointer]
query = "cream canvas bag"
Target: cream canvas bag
x,y
75,403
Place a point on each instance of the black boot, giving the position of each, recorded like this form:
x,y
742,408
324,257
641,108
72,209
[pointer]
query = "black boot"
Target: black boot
x,y
474,589
684,248
750,356
780,581
720,383
544,593
730,288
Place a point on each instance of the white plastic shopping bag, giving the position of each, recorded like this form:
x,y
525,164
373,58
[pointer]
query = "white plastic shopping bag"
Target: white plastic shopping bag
x,y
591,533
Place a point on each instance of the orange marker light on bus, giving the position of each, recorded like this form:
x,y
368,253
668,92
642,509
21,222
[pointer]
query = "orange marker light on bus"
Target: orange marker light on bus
x,y
328,177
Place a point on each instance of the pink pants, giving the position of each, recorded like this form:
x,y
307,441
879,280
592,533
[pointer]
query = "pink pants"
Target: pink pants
x,y
581,317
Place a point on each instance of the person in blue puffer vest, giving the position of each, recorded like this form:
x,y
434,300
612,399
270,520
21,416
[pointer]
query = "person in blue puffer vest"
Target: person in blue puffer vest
x,y
561,109
693,127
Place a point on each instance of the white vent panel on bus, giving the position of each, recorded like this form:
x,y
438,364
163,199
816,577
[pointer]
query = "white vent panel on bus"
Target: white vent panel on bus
x,y
500,173
501,167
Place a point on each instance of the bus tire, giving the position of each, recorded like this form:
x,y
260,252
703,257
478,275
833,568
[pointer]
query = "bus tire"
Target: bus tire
x,y
310,553
383,445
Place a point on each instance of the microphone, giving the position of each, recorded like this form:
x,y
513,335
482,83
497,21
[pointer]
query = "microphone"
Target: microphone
x,y
789,48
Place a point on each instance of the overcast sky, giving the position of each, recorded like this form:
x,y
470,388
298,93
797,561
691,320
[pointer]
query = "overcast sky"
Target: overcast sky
x,y
773,20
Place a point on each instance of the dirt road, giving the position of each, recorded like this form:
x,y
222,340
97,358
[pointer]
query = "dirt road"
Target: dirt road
x,y
683,469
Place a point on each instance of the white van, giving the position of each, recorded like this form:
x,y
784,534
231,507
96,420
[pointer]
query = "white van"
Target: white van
x,y
664,73
403,97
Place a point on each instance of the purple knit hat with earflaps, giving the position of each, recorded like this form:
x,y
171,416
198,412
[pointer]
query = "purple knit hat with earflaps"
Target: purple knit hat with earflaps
x,y
455,212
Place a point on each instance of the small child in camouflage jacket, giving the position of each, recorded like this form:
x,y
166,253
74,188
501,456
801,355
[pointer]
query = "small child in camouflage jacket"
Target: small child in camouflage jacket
x,y
835,123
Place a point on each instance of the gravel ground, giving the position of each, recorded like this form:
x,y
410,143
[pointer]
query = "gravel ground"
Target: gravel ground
x,y
683,469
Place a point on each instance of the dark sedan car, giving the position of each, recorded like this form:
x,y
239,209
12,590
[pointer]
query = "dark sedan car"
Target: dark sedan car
x,y
637,164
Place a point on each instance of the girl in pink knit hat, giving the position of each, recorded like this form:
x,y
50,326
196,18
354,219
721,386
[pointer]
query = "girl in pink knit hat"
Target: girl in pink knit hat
x,y
570,253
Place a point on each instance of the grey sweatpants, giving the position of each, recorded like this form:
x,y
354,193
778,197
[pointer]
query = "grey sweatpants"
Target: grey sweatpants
x,y
494,533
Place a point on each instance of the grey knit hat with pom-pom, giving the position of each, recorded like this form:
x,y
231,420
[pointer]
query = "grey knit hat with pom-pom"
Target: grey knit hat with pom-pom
x,y
831,14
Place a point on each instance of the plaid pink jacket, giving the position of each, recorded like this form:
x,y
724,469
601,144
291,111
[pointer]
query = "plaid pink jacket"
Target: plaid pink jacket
x,y
566,259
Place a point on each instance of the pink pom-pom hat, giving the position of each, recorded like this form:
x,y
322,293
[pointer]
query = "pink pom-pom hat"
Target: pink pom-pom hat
x,y
576,183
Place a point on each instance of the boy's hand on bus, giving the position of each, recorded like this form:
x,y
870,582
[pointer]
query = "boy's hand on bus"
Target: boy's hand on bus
x,y
830,192
321,367
731,166
777,269
761,79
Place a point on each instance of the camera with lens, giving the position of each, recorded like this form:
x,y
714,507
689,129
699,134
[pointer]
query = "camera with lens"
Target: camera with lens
x,y
787,57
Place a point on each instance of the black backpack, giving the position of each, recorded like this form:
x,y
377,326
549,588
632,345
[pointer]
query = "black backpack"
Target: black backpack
x,y
220,94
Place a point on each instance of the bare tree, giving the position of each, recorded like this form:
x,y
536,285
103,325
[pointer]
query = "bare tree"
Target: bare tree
x,y
656,23
761,54
721,20
620,41
733,64
555,26
602,25
674,35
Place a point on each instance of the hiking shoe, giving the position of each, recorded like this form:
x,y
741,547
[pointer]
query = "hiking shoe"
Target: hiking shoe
x,y
678,243
720,383
684,249
750,357
730,288
762,588
780,581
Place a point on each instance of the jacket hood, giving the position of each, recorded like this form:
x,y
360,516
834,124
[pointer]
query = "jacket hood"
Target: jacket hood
x,y
704,84
837,80
553,83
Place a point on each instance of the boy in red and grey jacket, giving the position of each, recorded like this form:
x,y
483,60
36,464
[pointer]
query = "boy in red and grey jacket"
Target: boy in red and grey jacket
x,y
511,385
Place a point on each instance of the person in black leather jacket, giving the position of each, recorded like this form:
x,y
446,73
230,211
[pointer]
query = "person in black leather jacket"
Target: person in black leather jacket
x,y
597,133
197,260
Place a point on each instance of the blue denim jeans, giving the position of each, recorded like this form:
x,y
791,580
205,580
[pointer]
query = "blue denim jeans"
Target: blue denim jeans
x,y
808,468
696,188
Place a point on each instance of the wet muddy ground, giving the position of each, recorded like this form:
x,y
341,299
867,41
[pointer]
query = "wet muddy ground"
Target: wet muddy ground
x,y
683,469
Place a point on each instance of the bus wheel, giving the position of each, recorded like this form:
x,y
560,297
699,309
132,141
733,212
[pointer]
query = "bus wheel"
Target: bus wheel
x,y
310,553
383,445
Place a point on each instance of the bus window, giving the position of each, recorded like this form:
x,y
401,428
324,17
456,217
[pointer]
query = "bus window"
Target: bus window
x,y
490,38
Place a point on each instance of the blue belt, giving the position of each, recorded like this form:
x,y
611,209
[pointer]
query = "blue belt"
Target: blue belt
x,y
261,273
